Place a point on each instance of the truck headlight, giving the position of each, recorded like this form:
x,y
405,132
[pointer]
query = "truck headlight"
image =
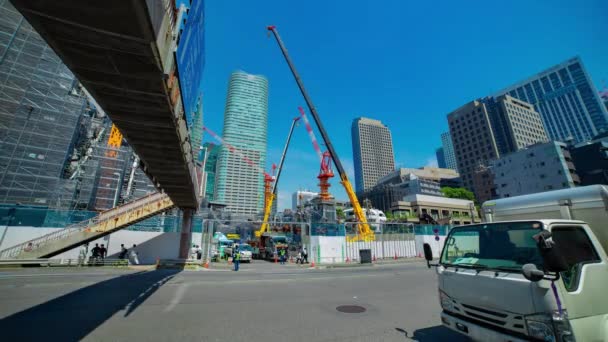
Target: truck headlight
x,y
550,327
445,301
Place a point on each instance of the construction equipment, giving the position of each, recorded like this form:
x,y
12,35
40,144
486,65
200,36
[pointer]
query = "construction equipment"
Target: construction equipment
x,y
324,175
270,196
364,231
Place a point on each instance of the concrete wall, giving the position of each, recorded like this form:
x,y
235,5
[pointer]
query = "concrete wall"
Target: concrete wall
x,y
150,245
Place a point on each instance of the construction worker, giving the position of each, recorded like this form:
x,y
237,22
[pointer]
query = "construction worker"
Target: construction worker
x,y
236,257
282,255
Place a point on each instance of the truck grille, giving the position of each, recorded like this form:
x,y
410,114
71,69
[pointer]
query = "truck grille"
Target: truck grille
x,y
503,319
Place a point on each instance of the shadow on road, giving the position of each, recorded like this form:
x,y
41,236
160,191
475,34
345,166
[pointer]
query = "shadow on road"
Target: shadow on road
x,y
73,316
432,334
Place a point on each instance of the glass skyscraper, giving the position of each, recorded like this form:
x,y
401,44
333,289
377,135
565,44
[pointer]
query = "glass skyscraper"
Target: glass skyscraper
x,y
440,158
448,151
239,182
567,100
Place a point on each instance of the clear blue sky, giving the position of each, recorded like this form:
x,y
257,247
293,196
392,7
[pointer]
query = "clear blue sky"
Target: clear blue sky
x,y
406,63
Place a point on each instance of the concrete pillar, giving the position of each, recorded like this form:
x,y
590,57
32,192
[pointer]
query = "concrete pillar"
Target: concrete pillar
x,y
185,241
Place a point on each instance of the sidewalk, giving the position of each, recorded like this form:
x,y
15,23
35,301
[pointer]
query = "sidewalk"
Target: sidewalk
x,y
376,263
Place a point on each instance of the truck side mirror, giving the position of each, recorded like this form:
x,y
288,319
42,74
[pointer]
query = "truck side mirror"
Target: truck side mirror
x,y
428,254
532,273
553,260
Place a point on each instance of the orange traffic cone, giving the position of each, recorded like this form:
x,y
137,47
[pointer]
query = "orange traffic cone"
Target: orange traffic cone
x,y
395,256
206,265
275,259
312,263
374,260
347,260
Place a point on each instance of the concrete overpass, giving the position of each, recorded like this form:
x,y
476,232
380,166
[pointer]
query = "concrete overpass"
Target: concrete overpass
x,y
122,51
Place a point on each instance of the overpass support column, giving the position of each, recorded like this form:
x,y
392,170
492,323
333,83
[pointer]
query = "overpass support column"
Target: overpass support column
x,y
185,240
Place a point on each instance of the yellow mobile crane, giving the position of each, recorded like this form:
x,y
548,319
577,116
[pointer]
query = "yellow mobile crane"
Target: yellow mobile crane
x,y
269,195
363,230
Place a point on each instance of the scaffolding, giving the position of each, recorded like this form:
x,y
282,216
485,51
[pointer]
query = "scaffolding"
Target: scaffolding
x,y
40,114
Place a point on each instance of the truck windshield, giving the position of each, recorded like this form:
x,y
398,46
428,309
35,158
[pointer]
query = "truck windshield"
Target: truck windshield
x,y
505,246
245,248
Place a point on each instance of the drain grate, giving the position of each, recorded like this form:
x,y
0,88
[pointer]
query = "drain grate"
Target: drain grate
x,y
350,309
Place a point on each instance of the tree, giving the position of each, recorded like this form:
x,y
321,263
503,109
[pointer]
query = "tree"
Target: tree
x,y
340,213
461,193
389,216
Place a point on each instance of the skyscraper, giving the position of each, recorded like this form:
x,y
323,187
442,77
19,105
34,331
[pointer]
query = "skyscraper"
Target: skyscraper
x,y
41,110
239,184
196,129
440,157
485,129
567,100
372,152
210,166
448,151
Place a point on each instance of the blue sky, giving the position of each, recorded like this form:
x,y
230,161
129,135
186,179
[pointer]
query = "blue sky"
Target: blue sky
x,y
406,63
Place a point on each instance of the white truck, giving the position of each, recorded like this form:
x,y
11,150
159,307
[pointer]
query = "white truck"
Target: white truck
x,y
538,270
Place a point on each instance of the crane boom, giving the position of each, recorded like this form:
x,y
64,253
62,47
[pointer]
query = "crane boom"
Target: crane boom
x,y
273,193
363,228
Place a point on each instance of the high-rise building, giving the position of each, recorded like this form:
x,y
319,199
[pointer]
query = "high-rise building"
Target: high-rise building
x,y
515,123
372,152
210,166
604,96
473,138
41,111
485,129
448,151
591,160
439,154
196,130
567,100
240,184
537,168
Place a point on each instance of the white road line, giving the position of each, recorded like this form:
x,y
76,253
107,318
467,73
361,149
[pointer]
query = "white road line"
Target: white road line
x,y
177,297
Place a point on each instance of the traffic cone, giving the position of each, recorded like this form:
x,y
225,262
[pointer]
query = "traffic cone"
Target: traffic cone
x,y
312,263
347,260
374,260
157,262
276,259
395,256
206,265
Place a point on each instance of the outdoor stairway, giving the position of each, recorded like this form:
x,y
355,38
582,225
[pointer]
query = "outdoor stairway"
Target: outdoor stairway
x,y
103,224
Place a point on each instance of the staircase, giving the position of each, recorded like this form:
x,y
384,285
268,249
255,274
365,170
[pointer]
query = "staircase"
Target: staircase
x,y
103,224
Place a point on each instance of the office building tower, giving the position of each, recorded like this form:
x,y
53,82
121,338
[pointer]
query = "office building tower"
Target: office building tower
x,y
372,152
537,168
440,158
515,123
240,185
567,100
41,111
448,151
485,129
212,152
473,138
604,96
196,131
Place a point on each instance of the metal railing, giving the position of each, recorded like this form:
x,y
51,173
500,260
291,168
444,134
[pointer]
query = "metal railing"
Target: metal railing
x,y
38,242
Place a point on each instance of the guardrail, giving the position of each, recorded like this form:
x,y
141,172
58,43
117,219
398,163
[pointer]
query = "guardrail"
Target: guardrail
x,y
36,243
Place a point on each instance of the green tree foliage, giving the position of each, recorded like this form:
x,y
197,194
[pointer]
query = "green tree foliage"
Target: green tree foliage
x,y
340,213
461,193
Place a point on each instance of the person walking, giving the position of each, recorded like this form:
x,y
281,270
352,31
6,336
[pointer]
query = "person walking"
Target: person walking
x,y
82,254
102,252
236,258
133,257
304,255
123,252
282,254
95,253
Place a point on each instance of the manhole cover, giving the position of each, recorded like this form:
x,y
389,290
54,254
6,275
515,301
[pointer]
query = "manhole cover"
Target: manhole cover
x,y
350,308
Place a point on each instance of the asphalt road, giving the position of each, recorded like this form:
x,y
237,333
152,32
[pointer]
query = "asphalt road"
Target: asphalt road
x,y
262,302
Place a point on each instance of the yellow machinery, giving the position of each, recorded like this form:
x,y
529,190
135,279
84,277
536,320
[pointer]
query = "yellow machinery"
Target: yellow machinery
x,y
363,230
270,190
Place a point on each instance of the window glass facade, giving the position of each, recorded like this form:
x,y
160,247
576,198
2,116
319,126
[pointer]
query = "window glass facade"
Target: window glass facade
x,y
372,152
